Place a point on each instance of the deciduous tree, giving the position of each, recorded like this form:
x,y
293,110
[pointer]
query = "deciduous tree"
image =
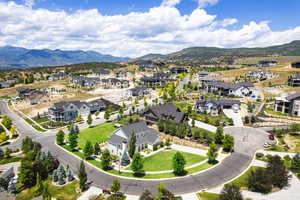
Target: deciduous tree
x,y
231,192
82,176
137,163
178,163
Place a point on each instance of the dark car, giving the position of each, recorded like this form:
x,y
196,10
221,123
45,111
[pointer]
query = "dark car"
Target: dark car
x,y
271,137
119,194
106,191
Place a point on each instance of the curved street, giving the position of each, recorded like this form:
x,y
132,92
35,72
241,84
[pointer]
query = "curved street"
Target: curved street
x,y
247,142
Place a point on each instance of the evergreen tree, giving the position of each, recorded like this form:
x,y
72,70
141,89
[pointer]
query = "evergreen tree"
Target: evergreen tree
x,y
38,188
70,175
279,174
107,113
132,144
219,135
26,176
116,186
89,120
27,144
147,196
193,123
231,192
12,187
73,141
178,163
82,176
137,163
105,159
259,181
61,179
88,150
97,149
1,154
76,130
55,176
60,137
296,163
212,153
62,171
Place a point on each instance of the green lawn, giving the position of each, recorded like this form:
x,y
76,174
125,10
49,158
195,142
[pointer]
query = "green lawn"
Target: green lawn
x,y
10,160
208,196
145,176
163,160
66,192
99,133
36,127
242,180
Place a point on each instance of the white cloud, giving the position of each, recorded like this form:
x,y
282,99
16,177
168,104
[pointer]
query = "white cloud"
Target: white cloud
x,y
170,3
29,3
205,3
161,29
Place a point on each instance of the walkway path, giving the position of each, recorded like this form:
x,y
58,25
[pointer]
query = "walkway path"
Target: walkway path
x,y
236,117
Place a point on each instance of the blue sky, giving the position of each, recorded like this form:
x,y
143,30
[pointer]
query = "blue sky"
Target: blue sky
x,y
136,27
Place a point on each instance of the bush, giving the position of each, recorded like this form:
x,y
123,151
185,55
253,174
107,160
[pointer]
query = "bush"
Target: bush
x,y
259,155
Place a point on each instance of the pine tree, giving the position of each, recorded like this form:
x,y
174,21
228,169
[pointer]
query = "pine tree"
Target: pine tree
x,y
60,137
61,179
132,145
82,176
73,141
89,120
231,192
55,176
97,149
1,154
88,149
70,175
296,163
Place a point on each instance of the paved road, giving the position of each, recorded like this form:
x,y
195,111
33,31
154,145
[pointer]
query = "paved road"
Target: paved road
x,y
235,164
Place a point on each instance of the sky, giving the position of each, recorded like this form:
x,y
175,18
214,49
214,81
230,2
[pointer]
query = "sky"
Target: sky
x,y
137,27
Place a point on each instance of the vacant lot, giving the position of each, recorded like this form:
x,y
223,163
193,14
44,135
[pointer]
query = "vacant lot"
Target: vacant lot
x,y
99,133
163,160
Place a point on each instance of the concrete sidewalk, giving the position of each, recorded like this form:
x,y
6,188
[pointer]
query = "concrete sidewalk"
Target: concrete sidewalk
x,y
236,117
205,126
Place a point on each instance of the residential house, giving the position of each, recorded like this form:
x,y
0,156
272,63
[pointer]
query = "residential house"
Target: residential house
x,y
148,67
260,74
288,104
138,92
146,138
294,80
57,76
221,88
215,106
267,63
8,83
34,96
178,70
86,82
124,74
158,79
68,111
102,73
114,83
164,112
203,74
295,65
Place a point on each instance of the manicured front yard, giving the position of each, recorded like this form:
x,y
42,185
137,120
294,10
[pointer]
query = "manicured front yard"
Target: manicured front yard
x,y
67,192
242,180
163,160
208,196
99,133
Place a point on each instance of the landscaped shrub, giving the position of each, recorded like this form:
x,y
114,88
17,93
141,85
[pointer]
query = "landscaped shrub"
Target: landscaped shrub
x,y
259,155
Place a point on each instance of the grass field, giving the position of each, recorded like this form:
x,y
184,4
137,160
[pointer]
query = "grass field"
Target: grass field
x,y
163,160
208,196
67,192
145,176
242,180
99,133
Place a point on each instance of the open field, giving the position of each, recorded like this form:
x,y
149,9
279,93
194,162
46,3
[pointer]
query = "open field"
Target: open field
x,y
163,160
38,85
99,133
280,59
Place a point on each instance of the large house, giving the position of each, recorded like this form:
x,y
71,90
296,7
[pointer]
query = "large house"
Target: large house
x,y
215,106
158,79
8,83
146,138
57,76
114,83
260,74
86,82
178,70
295,65
267,63
102,73
288,104
221,88
34,96
148,67
294,80
66,111
125,74
138,92
168,112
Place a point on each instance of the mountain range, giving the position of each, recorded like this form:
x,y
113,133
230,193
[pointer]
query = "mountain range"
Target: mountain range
x,y
16,57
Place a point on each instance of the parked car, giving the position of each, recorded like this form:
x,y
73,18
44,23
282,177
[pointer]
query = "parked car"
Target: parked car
x,y
267,145
120,194
104,191
271,137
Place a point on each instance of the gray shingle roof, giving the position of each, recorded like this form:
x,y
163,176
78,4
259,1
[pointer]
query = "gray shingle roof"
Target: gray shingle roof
x,y
168,111
293,96
219,102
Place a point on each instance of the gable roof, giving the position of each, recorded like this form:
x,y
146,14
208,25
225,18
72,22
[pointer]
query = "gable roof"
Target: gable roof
x,y
137,128
293,96
219,102
168,111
